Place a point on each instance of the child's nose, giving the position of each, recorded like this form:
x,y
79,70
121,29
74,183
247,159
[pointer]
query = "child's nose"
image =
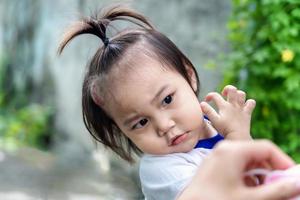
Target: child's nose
x,y
164,125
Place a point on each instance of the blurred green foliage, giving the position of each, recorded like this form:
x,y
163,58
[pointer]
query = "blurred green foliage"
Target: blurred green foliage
x,y
22,123
264,61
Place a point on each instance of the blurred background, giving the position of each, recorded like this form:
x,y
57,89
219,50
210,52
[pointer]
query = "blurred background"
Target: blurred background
x,y
45,150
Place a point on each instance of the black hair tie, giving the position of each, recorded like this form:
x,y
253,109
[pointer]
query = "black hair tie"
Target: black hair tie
x,y
105,41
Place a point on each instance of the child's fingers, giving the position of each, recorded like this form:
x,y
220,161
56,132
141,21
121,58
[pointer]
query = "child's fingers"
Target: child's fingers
x,y
216,98
226,90
209,111
250,105
231,93
241,97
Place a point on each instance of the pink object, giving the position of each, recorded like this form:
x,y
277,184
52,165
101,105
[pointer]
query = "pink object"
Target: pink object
x,y
271,176
282,174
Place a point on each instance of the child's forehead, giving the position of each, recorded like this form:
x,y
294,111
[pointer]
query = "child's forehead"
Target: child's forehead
x,y
138,67
137,84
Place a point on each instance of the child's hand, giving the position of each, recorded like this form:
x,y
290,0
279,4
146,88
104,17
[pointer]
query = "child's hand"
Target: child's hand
x,y
234,114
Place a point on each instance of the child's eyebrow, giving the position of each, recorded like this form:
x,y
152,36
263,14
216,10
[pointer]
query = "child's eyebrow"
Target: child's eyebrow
x,y
130,119
159,93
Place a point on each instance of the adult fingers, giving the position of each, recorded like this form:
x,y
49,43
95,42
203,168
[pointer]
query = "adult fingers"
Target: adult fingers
x,y
279,190
257,151
265,151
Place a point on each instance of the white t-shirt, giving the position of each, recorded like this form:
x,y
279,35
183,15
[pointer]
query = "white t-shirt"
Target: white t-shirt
x,y
165,177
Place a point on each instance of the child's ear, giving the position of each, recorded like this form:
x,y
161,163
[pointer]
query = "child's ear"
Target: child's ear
x,y
192,78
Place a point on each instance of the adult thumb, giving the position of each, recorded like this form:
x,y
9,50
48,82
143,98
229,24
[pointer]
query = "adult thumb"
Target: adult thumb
x,y
279,190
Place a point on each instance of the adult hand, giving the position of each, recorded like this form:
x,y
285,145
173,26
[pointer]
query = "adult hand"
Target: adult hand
x,y
221,175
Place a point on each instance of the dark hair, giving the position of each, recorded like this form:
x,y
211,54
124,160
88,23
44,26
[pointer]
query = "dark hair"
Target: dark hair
x,y
100,125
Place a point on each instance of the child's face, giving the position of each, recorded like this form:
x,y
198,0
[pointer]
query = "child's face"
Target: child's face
x,y
156,108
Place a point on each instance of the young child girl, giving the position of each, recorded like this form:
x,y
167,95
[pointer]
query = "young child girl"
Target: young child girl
x,y
139,96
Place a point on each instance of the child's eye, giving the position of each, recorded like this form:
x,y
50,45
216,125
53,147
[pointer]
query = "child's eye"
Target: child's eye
x,y
168,99
140,124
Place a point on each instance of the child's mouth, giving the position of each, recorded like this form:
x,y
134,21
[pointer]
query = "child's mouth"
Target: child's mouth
x,y
180,138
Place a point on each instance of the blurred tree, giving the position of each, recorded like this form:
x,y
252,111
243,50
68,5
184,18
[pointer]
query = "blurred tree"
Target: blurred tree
x,y
24,119
264,61
22,122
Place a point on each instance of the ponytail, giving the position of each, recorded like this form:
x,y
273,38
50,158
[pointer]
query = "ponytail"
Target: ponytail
x,y
97,25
